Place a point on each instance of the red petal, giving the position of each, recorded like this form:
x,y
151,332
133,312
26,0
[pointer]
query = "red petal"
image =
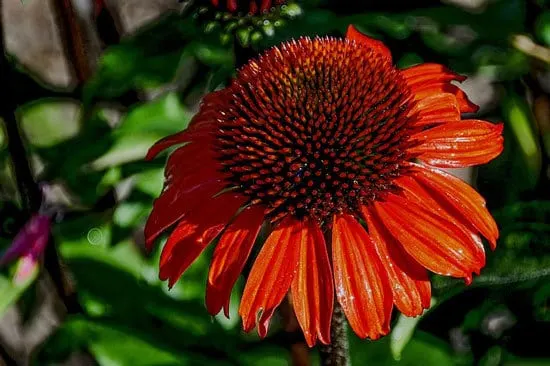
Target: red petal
x,y
354,35
271,274
174,203
429,79
433,241
312,287
455,196
409,280
436,108
164,144
197,131
361,283
230,257
192,177
453,145
194,233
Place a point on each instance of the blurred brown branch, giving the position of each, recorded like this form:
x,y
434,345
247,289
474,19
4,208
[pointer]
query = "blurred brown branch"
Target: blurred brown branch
x,y
31,195
73,37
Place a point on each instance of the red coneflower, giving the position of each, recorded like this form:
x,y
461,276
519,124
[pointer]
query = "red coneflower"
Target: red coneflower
x,y
249,6
335,150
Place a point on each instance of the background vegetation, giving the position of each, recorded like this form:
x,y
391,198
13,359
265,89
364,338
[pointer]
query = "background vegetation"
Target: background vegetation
x,y
97,298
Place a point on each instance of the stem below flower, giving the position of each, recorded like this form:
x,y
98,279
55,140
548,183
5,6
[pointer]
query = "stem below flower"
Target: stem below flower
x,y
336,353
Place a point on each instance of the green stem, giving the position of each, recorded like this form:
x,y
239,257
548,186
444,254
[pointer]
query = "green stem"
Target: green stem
x,y
336,353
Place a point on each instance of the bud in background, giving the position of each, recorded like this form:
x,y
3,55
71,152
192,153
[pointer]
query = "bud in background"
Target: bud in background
x,y
248,21
28,247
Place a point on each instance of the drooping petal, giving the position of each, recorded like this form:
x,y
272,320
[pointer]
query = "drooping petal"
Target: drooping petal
x,y
435,109
433,241
452,192
165,143
199,130
361,283
453,145
192,176
230,256
354,35
409,280
312,287
174,204
429,79
194,233
32,239
271,274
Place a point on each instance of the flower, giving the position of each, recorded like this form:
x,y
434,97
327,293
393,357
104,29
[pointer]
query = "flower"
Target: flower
x,y
310,141
248,22
28,247
250,6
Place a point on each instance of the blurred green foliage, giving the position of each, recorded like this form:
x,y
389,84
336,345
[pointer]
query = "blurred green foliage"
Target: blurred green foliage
x,y
147,86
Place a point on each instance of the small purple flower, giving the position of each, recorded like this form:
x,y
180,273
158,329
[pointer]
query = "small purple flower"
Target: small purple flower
x,y
28,246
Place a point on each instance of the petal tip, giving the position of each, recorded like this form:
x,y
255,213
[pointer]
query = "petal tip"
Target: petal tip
x,y
354,34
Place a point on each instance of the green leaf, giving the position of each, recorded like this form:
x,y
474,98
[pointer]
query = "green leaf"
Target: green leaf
x,y
144,125
150,181
160,117
523,252
48,122
111,344
542,27
426,350
403,331
11,291
520,120
130,214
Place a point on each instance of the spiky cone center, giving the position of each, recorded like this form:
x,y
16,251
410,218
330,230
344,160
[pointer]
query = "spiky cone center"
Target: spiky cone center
x,y
313,128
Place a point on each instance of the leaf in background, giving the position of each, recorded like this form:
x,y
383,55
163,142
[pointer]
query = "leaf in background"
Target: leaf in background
x,y
519,118
146,60
144,125
150,181
132,297
542,27
113,344
403,331
11,291
48,122
67,161
523,251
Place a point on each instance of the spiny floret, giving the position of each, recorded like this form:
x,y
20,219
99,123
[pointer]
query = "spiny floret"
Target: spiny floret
x,y
314,127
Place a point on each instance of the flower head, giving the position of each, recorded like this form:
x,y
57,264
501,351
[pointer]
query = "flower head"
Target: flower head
x,y
250,6
28,247
249,22
335,152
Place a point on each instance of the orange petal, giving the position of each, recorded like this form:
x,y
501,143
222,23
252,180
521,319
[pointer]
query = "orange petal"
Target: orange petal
x,y
460,200
199,130
354,35
312,287
438,108
361,283
191,177
409,280
453,145
433,241
430,79
272,274
230,256
194,233
174,204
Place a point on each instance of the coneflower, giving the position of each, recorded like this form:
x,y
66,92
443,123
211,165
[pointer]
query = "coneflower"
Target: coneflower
x,y
337,151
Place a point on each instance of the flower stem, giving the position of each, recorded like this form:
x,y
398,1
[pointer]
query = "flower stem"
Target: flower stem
x,y
336,353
